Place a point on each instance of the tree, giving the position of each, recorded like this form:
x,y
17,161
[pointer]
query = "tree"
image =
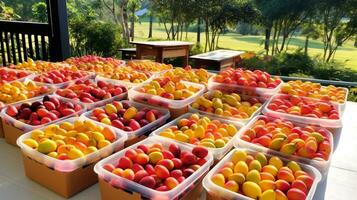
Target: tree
x,y
22,8
7,13
39,11
282,18
133,6
309,30
218,15
338,21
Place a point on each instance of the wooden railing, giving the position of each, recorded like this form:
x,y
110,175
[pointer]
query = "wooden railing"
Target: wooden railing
x,y
22,40
39,41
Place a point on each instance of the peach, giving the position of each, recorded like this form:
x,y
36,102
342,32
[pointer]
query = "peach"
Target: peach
x,y
296,194
226,171
294,166
218,179
125,162
131,154
75,153
255,164
118,171
251,190
155,157
276,161
280,195
177,163
148,181
261,158
140,174
268,195
237,177
169,164
267,185
177,173
171,182
47,146
137,167
128,174
188,159
109,167
109,134
167,154
200,152
142,158
271,169
253,176
282,185
162,172
306,179
299,184
174,149
267,176
232,186
187,172
241,167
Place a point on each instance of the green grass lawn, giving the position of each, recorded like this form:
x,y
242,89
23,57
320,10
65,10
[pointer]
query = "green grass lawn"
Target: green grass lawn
x,y
347,53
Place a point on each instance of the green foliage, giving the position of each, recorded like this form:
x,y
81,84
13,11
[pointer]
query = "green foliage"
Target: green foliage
x,y
39,11
352,96
6,12
196,49
96,38
248,29
299,65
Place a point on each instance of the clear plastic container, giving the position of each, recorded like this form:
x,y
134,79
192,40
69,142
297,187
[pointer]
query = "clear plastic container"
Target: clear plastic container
x,y
321,165
27,127
212,85
145,191
64,84
327,123
217,153
71,165
121,82
263,100
30,74
216,190
90,106
156,100
164,67
145,129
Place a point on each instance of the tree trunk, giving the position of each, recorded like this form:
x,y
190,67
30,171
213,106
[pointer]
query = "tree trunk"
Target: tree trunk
x,y
355,42
150,26
207,35
306,45
199,30
274,38
267,40
132,24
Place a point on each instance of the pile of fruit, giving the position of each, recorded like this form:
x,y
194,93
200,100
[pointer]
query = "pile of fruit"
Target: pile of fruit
x,y
243,77
301,106
123,116
7,75
95,63
228,105
158,167
257,177
127,74
38,66
188,74
168,89
148,66
18,91
282,135
43,111
89,92
201,131
60,76
314,90
69,141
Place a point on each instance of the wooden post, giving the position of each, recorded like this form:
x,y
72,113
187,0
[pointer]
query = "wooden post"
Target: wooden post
x,y
59,37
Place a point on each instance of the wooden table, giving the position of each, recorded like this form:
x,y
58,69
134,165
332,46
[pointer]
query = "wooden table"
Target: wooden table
x,y
163,49
217,60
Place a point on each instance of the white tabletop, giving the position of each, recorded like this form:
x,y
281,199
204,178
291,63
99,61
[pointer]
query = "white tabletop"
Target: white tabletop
x,y
341,182
218,55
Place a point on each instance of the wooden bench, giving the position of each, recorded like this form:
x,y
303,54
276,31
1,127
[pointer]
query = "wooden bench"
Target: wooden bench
x,y
128,53
217,60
